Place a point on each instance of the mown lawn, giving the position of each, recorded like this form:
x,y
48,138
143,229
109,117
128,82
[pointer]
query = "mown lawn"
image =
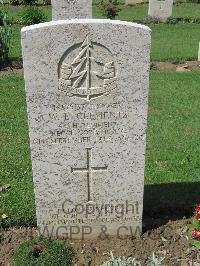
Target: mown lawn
x,y
15,163
169,42
140,12
175,42
173,159
127,13
15,44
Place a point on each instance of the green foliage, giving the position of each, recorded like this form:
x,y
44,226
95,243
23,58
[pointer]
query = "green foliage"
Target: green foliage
x,y
43,251
5,36
15,2
149,20
46,2
123,261
155,261
171,20
196,227
176,20
196,224
196,244
24,2
29,2
193,1
109,8
4,18
33,15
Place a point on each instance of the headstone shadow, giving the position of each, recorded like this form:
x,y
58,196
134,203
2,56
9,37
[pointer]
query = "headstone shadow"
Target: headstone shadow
x,y
168,202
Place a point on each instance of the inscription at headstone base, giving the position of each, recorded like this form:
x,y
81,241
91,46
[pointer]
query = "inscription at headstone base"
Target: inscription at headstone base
x,y
87,98
71,9
160,9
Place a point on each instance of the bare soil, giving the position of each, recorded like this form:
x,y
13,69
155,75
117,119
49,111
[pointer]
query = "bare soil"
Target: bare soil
x,y
13,67
171,242
170,66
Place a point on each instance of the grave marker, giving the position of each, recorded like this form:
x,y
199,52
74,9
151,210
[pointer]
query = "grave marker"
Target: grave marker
x,y
160,10
87,98
71,9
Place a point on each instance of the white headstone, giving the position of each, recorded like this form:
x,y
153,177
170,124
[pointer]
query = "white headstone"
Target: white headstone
x,y
87,98
70,9
160,10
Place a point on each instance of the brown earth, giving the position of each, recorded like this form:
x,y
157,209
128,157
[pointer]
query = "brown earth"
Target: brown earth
x,y
169,66
14,67
171,242
10,71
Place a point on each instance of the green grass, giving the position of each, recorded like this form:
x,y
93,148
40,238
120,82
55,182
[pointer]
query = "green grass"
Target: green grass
x,y
127,13
188,10
172,168
169,42
15,164
54,253
174,127
173,159
140,12
175,42
15,45
15,13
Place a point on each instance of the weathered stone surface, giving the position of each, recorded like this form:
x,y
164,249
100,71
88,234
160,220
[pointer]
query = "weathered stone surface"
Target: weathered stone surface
x,y
87,96
160,10
71,9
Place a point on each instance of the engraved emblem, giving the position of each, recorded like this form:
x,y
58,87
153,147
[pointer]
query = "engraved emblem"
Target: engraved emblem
x,y
87,71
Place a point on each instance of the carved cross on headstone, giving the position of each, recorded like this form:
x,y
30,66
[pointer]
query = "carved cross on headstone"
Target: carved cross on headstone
x,y
89,170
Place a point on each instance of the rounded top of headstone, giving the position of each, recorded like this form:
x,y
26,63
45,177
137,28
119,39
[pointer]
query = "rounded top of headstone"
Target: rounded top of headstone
x,y
85,21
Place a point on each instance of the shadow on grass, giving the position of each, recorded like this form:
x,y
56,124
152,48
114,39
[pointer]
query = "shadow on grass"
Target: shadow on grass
x,y
166,202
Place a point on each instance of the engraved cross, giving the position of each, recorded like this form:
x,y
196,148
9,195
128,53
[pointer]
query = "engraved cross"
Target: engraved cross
x,y
89,170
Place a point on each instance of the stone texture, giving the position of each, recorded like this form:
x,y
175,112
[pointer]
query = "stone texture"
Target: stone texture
x,y
70,9
160,10
87,98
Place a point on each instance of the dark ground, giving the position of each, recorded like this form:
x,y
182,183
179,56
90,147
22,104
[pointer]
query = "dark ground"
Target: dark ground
x,y
171,242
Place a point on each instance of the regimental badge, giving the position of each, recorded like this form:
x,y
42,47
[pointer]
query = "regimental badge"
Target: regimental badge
x,y
87,71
